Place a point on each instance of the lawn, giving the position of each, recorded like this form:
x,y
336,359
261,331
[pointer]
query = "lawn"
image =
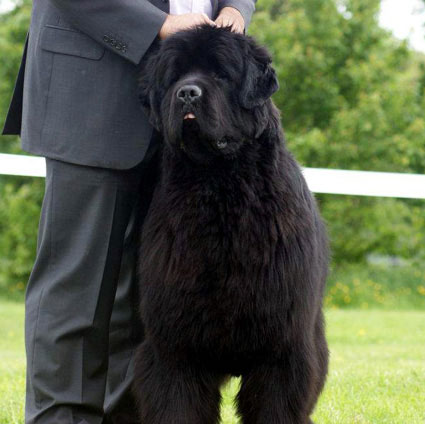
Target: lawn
x,y
377,373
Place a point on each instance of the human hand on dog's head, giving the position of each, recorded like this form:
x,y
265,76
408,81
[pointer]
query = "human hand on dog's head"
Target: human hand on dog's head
x,y
175,23
232,18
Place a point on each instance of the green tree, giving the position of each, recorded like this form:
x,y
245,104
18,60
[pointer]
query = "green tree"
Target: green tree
x,y
349,100
20,198
13,29
351,97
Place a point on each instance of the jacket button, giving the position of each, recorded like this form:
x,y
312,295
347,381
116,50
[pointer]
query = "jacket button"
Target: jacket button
x,y
106,39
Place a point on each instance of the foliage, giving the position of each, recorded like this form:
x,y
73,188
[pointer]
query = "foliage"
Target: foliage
x,y
350,100
376,369
13,29
20,198
376,286
351,97
19,215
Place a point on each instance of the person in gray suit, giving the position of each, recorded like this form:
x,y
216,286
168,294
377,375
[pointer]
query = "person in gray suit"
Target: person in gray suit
x,y
75,103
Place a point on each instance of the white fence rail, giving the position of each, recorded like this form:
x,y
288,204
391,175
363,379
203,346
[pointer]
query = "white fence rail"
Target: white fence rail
x,y
27,166
333,181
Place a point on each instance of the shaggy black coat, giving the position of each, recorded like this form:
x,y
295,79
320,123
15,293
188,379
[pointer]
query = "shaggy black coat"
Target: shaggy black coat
x,y
234,254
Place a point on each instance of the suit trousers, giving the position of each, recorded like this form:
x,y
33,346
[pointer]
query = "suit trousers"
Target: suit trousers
x,y
81,324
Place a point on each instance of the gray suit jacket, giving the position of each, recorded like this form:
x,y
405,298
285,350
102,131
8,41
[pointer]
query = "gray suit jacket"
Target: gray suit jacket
x,y
75,96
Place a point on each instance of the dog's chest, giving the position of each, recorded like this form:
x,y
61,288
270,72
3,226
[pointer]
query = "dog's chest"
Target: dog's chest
x,y
229,223
224,241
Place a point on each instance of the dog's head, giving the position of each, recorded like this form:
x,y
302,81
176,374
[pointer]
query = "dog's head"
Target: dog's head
x,y
206,89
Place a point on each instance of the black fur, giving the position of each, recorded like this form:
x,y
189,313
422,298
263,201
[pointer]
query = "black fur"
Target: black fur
x,y
234,254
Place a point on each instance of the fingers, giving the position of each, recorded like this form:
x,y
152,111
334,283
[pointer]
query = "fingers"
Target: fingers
x,y
237,27
200,19
222,22
230,20
175,23
207,20
233,25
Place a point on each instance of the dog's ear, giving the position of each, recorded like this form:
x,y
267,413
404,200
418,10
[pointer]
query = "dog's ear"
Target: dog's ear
x,y
147,87
260,80
145,80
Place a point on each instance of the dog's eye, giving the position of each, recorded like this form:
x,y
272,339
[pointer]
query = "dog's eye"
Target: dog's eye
x,y
221,144
220,76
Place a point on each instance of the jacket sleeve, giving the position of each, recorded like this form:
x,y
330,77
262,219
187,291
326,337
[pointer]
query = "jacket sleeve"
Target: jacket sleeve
x,y
246,7
127,27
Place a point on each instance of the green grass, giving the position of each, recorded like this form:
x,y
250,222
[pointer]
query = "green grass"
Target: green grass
x,y
12,362
377,370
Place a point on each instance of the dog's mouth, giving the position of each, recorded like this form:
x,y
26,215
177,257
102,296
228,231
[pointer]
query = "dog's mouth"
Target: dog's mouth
x,y
190,125
189,122
189,115
191,130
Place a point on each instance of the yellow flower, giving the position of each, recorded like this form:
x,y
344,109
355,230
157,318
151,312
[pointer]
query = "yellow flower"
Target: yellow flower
x,y
421,290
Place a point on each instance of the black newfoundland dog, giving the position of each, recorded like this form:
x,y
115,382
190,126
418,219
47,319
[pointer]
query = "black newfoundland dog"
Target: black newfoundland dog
x,y
234,253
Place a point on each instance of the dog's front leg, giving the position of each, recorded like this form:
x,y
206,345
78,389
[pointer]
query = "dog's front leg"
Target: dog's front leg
x,y
283,392
173,393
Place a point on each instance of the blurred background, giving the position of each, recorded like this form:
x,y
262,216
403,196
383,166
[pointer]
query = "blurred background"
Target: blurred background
x,y
352,76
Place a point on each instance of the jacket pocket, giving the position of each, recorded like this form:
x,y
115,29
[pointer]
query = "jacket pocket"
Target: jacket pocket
x,y
71,42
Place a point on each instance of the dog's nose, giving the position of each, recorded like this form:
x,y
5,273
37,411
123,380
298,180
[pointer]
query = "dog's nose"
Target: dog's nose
x,y
189,93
